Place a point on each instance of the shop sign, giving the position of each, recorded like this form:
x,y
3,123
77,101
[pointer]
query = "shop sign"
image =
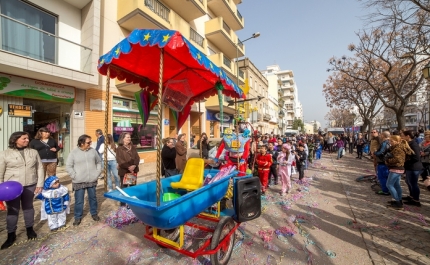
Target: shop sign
x,y
211,116
19,110
16,86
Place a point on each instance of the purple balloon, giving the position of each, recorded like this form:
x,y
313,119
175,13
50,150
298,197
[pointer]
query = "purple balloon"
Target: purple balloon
x,y
10,190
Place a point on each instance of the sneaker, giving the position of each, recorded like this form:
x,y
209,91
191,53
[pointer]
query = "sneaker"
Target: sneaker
x,y
95,217
110,190
396,205
413,203
407,198
390,202
77,222
380,192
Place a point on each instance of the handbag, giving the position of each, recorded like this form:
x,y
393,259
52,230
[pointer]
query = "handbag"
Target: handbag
x,y
129,179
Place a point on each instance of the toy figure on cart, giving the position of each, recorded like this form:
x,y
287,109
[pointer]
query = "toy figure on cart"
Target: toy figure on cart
x,y
237,146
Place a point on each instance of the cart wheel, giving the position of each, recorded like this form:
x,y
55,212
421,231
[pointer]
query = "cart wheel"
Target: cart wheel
x,y
172,234
225,225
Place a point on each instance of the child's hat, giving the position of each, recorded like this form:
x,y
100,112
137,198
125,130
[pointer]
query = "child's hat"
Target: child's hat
x,y
49,182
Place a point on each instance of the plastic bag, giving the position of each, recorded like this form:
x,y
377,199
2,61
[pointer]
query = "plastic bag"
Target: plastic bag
x,y
2,206
343,152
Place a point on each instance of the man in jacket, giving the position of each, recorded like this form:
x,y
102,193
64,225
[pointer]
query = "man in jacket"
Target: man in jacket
x,y
381,167
273,167
168,155
374,145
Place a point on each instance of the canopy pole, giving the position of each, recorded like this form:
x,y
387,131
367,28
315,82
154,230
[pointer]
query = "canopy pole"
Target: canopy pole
x,y
105,164
236,113
200,131
160,125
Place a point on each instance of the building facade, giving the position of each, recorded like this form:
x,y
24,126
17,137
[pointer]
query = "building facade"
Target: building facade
x,y
209,25
255,110
48,62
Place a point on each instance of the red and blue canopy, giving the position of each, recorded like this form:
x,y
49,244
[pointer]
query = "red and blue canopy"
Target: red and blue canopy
x,y
136,59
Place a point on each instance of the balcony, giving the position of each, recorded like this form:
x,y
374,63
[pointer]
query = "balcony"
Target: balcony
x,y
259,117
196,37
26,50
221,60
227,10
220,34
188,10
267,117
290,110
149,14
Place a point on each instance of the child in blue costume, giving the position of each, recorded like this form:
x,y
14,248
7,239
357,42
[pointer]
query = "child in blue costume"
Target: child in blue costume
x,y
55,203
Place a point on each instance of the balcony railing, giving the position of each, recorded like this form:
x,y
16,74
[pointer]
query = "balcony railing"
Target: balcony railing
x,y
239,15
226,27
241,74
196,37
29,41
226,62
240,44
158,8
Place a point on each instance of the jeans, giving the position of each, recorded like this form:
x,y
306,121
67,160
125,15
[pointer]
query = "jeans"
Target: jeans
x,y
301,170
360,151
79,201
393,185
351,148
383,176
339,152
112,171
412,182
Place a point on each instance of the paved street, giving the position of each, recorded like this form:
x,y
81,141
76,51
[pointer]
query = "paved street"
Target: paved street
x,y
330,220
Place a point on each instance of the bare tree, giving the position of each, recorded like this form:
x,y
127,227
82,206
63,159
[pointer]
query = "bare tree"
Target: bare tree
x,y
389,62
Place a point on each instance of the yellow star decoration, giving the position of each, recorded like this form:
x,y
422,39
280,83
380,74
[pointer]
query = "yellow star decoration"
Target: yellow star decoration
x,y
210,64
102,61
166,38
220,73
147,36
245,87
117,51
199,56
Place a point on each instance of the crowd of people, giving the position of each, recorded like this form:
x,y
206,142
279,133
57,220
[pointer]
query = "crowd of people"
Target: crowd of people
x,y
274,159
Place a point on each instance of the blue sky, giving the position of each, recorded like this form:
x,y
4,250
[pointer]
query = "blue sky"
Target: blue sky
x,y
301,36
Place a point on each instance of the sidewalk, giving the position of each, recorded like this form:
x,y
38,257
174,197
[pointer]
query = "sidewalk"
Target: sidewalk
x,y
331,220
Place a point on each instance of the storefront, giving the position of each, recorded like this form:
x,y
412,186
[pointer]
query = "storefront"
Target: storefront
x,y
126,118
30,104
216,127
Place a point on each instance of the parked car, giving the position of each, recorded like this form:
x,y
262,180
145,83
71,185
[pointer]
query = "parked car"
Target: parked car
x,y
195,152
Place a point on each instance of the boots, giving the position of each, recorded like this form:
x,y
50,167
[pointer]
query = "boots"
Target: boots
x,y
11,237
397,205
30,233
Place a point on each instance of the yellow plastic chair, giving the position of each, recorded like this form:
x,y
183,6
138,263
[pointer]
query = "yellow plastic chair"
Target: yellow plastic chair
x,y
192,178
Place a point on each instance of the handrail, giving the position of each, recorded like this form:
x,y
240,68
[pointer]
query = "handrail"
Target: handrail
x,y
158,8
196,37
47,33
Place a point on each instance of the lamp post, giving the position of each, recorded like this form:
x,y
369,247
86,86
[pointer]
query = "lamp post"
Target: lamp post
x,y
281,115
255,35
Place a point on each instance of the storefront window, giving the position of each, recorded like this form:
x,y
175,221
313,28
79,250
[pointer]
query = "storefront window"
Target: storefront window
x,y
126,118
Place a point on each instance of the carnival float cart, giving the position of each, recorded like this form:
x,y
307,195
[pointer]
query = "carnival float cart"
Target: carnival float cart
x,y
174,73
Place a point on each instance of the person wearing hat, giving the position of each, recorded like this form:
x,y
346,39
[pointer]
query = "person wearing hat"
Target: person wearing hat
x,y
55,203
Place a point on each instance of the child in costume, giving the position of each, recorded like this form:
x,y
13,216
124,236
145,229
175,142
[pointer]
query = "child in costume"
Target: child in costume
x,y
285,160
55,203
301,161
264,161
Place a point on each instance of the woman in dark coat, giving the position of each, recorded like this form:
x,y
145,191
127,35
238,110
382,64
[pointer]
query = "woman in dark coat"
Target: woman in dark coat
x,y
181,153
126,156
413,168
168,156
203,141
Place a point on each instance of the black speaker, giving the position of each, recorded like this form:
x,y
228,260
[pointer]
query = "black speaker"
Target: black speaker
x,y
247,199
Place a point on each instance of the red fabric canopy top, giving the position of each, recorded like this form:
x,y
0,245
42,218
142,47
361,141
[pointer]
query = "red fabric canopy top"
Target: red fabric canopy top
x,y
136,59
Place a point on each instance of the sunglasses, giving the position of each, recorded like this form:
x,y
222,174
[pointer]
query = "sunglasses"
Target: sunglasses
x,y
88,142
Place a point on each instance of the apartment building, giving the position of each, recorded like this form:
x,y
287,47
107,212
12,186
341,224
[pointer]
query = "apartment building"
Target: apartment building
x,y
255,110
210,25
48,61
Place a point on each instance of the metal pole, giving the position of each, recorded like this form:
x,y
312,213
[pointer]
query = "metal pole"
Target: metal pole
x,y
105,165
160,125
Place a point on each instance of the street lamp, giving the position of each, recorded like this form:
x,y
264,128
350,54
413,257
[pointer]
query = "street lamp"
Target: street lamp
x,y
281,115
255,35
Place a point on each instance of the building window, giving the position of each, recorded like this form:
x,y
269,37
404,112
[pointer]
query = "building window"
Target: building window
x,y
126,118
28,31
211,51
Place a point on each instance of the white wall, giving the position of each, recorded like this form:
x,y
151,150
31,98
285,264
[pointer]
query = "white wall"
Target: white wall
x,y
69,28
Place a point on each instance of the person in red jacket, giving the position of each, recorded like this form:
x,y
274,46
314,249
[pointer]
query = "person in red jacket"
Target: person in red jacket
x,y
264,161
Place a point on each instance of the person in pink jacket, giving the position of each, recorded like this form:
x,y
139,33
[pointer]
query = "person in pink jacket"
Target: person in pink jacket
x,y
285,159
